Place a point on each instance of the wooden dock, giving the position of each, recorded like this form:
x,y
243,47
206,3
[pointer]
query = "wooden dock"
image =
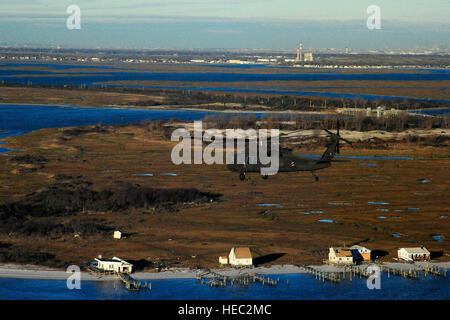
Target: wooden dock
x,y
262,280
333,277
214,279
354,271
342,272
351,271
433,270
99,272
410,273
130,283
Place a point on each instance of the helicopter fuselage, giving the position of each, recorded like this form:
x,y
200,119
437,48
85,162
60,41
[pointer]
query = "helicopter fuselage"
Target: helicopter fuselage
x,y
287,163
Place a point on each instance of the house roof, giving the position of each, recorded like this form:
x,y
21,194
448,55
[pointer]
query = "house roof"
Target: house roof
x,y
106,260
416,250
342,252
115,260
359,248
242,253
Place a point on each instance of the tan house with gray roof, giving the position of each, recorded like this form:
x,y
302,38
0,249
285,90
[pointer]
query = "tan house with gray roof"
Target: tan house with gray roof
x,y
340,255
240,257
414,254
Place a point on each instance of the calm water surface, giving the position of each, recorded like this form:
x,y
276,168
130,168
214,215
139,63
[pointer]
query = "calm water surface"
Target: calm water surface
x,y
300,287
63,74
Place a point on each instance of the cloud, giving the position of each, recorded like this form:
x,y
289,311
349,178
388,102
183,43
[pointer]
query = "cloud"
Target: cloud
x,y
269,10
222,31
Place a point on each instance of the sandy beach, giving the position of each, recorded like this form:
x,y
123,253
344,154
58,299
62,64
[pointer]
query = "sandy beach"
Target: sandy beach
x,y
43,273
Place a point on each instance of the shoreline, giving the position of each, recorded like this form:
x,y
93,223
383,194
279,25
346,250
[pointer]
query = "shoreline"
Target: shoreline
x,y
32,272
175,108
200,108
13,271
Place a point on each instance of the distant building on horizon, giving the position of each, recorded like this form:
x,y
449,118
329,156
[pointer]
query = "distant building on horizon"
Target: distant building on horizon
x,y
303,57
308,57
300,52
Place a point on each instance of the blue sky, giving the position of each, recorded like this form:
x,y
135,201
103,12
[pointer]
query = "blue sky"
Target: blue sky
x,y
226,23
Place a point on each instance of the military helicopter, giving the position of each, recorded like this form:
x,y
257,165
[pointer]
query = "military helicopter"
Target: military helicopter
x,y
292,162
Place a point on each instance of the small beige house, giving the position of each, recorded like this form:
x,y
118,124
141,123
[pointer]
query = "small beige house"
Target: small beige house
x,y
114,264
414,254
340,256
117,234
240,257
223,260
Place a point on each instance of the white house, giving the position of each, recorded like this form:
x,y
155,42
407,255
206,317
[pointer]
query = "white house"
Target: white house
x,y
360,253
414,254
117,235
223,260
114,264
340,256
240,257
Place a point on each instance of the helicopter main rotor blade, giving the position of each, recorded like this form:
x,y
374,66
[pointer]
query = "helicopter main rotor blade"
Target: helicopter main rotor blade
x,y
345,140
290,132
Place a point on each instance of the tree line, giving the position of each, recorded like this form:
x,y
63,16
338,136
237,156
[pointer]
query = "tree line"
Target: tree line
x,y
272,101
360,122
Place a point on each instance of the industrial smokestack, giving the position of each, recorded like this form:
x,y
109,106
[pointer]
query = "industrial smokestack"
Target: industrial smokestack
x,y
300,52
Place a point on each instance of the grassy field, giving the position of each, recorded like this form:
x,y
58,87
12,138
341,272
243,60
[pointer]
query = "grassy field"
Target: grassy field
x,y
174,99
410,89
12,95
195,234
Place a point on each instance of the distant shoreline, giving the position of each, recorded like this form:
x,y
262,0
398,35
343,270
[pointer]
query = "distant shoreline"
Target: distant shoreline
x,y
172,108
200,108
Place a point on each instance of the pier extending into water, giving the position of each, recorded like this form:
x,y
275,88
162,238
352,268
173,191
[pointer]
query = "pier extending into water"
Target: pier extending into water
x,y
214,279
130,283
433,270
411,273
333,277
337,273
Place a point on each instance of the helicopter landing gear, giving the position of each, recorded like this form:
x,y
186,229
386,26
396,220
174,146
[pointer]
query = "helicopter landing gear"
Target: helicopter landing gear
x,y
316,178
265,176
242,176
